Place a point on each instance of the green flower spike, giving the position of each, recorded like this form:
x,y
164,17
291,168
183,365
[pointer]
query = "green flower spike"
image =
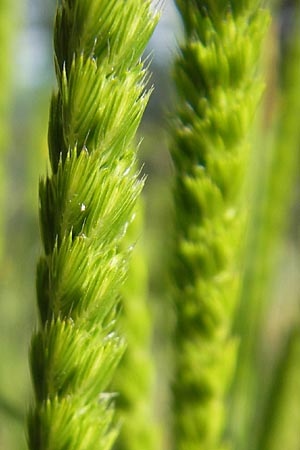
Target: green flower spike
x,y
86,204
218,93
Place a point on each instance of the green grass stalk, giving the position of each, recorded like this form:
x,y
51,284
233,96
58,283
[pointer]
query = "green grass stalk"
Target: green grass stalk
x,y
282,419
218,93
270,218
134,379
7,26
86,204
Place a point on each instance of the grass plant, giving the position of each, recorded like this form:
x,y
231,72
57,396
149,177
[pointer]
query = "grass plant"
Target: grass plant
x,y
282,416
7,22
86,204
235,375
135,377
218,93
274,184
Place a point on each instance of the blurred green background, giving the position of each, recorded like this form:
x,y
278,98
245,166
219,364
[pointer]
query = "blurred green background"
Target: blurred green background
x,y
26,81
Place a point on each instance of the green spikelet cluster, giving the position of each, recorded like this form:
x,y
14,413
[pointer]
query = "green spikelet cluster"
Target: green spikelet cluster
x,y
218,93
86,204
134,379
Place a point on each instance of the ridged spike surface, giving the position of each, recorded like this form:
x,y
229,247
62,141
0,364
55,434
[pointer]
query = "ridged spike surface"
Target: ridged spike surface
x,y
218,93
86,203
